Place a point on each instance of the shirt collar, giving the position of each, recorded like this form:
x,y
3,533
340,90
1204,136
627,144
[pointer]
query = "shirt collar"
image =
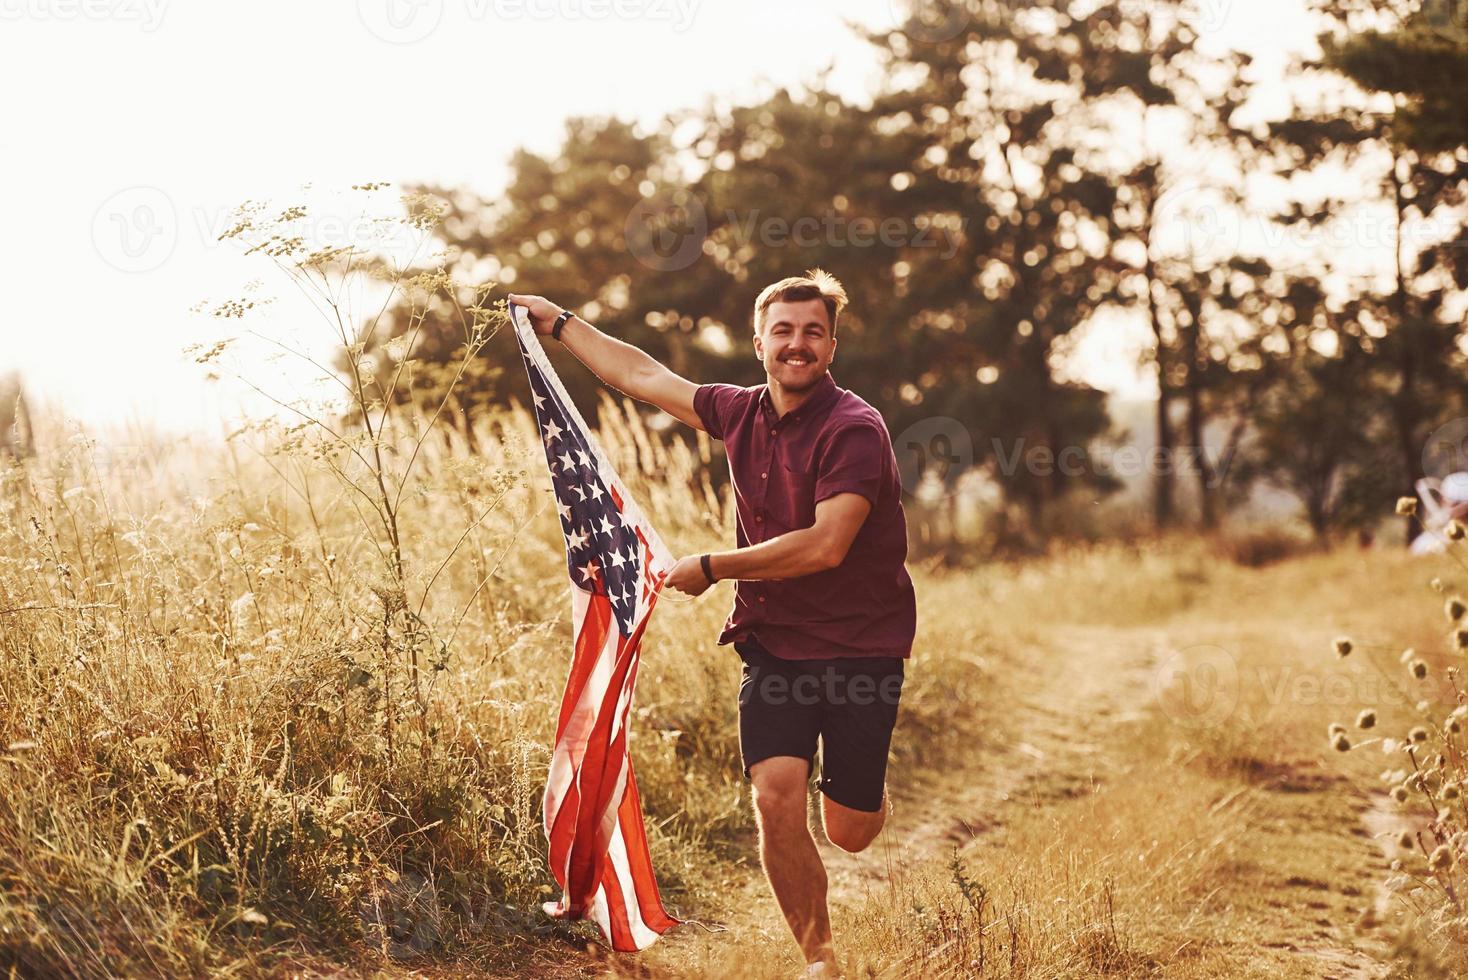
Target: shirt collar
x,y
825,393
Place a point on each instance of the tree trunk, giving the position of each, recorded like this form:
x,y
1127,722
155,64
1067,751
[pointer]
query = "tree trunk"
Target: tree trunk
x,y
1162,490
1407,410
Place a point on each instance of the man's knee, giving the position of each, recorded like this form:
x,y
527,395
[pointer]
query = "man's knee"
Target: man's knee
x,y
854,836
780,789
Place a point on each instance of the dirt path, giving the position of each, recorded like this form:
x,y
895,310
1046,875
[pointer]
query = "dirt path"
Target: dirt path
x,y
1098,683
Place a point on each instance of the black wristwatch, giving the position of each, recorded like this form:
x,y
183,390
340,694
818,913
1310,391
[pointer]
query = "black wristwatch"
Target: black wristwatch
x,y
560,322
708,571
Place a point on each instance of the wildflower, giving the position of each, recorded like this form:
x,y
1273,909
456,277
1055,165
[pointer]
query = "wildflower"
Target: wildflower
x,y
1342,646
392,598
1389,745
1451,791
1454,609
1399,793
1442,858
1405,840
1453,725
1436,584
1406,506
1336,728
1418,734
1456,529
1407,655
1342,744
1366,719
1419,669
1460,638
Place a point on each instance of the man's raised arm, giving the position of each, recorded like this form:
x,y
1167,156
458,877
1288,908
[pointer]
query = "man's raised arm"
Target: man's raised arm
x,y
624,367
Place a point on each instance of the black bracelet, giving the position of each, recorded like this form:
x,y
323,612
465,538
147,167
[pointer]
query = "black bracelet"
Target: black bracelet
x,y
560,322
703,561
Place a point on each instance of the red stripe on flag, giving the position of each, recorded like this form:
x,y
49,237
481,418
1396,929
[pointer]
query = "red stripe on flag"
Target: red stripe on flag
x,y
649,900
591,636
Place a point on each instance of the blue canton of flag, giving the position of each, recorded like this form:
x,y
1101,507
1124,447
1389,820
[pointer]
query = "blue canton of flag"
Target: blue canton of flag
x,y
604,555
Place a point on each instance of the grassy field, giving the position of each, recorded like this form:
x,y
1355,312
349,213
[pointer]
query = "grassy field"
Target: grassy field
x,y
251,729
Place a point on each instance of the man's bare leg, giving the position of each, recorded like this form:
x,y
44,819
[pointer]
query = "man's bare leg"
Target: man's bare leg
x,y
852,830
789,855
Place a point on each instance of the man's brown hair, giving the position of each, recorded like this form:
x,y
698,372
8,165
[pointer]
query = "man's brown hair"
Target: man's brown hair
x,y
815,284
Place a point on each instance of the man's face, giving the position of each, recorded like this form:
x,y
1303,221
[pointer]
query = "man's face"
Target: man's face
x,y
795,343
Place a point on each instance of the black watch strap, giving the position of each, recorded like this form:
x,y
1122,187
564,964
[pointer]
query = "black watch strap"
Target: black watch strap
x,y
560,322
708,571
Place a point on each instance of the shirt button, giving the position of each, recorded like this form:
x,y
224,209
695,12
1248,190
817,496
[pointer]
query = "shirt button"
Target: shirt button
x,y
758,519
761,598
764,476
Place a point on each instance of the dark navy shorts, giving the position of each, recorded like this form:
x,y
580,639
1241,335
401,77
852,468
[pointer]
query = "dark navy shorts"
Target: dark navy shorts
x,y
848,704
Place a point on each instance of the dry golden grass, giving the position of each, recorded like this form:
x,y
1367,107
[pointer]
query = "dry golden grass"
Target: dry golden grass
x,y
215,755
216,761
1068,812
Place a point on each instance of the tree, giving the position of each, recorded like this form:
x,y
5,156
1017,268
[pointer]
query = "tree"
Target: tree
x,y
1407,321
996,102
1319,428
1171,205
1420,58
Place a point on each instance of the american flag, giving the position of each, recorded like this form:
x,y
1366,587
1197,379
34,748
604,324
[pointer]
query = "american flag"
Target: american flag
x,y
617,563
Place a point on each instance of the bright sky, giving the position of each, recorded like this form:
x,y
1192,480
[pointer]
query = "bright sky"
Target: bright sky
x,y
133,126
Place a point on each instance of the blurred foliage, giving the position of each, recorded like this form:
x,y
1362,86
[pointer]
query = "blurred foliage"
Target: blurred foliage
x,y
999,196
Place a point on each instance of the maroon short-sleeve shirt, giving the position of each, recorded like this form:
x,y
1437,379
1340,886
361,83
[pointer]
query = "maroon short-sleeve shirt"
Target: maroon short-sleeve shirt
x,y
781,467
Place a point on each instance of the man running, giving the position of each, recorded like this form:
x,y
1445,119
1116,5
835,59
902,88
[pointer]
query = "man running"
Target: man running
x,y
824,612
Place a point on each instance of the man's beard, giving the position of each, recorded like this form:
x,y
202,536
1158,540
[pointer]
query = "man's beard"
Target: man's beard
x,y
816,373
